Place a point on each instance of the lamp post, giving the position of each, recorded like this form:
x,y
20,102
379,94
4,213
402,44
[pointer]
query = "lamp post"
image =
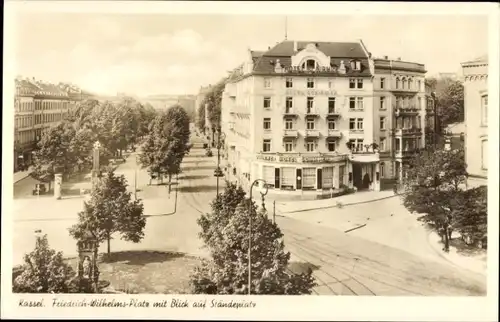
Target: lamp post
x,y
263,193
218,172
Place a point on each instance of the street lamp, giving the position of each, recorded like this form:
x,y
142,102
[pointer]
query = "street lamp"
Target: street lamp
x,y
218,172
263,193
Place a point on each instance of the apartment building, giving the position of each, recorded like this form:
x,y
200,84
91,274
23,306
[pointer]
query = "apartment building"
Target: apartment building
x,y
476,120
37,106
400,104
300,116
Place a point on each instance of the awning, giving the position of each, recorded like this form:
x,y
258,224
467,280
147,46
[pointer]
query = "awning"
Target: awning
x,y
364,158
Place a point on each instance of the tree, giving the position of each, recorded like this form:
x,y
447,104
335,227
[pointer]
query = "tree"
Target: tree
x,y
54,152
111,210
213,99
471,214
200,122
44,271
167,143
450,96
431,181
225,234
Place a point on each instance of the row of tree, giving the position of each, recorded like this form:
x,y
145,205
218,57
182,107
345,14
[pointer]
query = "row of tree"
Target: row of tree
x,y
67,147
450,99
212,100
434,188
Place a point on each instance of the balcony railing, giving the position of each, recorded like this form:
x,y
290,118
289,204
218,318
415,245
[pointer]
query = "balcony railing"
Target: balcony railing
x,y
290,112
312,112
312,134
407,110
290,133
406,152
333,113
409,131
334,133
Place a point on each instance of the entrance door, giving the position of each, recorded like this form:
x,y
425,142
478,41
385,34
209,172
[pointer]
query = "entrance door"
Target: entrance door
x,y
357,176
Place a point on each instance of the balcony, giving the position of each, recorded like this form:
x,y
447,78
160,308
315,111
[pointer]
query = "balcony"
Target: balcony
x,y
333,113
334,134
408,132
400,154
312,134
312,113
290,112
290,134
409,110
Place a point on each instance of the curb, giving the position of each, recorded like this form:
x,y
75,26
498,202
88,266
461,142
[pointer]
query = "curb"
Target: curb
x,y
22,178
440,254
343,205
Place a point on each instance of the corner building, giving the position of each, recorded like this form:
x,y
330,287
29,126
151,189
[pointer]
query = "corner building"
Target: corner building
x,y
290,112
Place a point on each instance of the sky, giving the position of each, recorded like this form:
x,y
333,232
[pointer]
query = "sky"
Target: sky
x,y
148,54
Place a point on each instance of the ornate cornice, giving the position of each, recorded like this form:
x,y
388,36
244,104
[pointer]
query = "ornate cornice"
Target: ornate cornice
x,y
476,77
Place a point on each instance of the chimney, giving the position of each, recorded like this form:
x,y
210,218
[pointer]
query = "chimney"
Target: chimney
x,y
294,46
386,57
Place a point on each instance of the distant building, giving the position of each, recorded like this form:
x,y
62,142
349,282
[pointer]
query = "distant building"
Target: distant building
x,y
455,136
37,106
475,75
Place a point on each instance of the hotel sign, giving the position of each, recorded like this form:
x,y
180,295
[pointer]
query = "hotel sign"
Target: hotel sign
x,y
310,92
302,159
319,69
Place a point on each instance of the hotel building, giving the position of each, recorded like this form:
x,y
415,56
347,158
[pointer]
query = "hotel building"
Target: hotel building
x,y
476,120
290,113
399,111
37,106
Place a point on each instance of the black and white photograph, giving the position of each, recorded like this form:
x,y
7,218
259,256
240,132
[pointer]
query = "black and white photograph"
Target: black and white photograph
x,y
237,155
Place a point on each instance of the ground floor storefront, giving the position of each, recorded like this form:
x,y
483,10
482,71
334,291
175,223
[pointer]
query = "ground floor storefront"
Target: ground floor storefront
x,y
308,174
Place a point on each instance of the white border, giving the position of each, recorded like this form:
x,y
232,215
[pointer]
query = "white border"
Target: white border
x,y
268,307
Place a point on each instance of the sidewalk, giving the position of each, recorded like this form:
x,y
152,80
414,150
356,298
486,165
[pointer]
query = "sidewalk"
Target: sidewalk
x,y
476,263
20,175
346,200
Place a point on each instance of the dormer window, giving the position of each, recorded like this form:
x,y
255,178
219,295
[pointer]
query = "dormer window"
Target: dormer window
x,y
358,65
309,64
355,65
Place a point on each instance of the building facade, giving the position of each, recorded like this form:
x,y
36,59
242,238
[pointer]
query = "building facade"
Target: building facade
x,y
39,105
400,104
301,117
476,120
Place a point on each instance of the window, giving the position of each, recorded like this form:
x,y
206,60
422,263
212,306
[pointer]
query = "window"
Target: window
x,y
266,146
359,144
382,83
309,178
267,82
410,83
331,125
352,83
310,64
352,124
310,146
382,170
484,110
484,154
419,85
289,83
358,65
397,83
360,124
331,146
327,177
267,124
267,102
310,124
288,177
382,103
360,103
360,83
288,146
352,103
310,83
355,65
289,104
288,124
331,104
268,174
330,83
381,146
420,103
404,83
310,104
382,122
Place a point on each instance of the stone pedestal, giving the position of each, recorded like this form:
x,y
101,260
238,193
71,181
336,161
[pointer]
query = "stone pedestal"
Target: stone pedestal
x,y
57,186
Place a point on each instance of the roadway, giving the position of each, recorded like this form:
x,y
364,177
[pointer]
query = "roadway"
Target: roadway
x,y
343,264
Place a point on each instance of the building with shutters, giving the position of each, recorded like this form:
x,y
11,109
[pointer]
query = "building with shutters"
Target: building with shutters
x,y
300,116
399,109
37,106
476,120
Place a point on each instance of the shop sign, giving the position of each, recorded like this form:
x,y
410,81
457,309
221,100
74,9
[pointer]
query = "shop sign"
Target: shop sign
x,y
311,92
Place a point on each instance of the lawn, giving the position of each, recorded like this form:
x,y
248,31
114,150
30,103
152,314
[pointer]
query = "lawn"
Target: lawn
x,y
147,272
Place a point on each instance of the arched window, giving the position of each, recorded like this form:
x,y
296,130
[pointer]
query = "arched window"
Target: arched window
x,y
397,83
310,64
404,83
410,83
